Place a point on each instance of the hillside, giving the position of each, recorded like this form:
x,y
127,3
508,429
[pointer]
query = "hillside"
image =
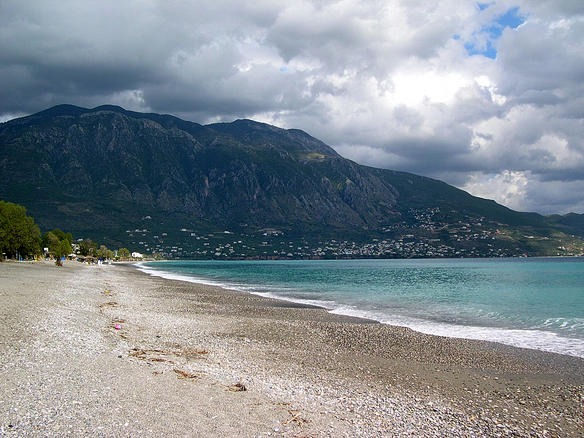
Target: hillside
x,y
244,189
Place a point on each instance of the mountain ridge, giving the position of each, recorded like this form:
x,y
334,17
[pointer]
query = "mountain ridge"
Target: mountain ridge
x,y
69,164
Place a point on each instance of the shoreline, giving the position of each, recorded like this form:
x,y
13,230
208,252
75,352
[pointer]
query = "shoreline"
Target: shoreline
x,y
279,302
498,335
307,372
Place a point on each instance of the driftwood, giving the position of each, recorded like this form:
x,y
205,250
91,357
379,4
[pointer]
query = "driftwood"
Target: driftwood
x,y
295,418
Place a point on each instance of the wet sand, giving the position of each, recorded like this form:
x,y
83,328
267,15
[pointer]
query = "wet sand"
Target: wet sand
x,y
111,351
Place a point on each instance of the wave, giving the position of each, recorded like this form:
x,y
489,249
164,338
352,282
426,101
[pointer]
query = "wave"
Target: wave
x,y
564,324
263,291
155,272
534,339
538,337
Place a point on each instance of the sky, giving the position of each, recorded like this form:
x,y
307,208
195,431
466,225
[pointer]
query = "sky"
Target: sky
x,y
487,96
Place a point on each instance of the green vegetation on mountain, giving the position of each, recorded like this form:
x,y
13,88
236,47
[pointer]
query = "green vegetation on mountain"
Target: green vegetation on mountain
x,y
246,189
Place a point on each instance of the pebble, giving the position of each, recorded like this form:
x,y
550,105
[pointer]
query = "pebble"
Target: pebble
x,y
336,392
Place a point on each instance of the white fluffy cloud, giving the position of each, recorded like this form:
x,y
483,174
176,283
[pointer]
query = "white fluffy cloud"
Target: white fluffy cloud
x,y
485,95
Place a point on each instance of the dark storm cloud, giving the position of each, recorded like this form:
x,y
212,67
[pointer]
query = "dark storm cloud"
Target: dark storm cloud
x,y
388,83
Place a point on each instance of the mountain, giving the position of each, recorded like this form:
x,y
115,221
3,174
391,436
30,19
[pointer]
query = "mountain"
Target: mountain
x,y
244,189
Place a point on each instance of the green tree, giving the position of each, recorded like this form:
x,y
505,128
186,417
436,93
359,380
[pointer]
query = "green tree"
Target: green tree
x,y
63,249
88,247
19,235
61,235
58,243
124,253
104,253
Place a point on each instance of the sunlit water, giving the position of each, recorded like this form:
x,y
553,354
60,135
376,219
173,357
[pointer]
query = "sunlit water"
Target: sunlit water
x,y
532,303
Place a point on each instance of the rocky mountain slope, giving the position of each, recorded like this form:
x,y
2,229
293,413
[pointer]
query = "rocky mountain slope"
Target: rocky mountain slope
x,y
158,182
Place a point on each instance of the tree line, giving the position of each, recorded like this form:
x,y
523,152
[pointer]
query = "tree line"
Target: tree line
x,y
21,238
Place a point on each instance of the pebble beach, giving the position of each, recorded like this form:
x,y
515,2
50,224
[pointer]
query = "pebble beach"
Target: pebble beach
x,y
110,351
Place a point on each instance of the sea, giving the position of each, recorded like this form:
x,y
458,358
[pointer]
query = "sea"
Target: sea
x,y
535,303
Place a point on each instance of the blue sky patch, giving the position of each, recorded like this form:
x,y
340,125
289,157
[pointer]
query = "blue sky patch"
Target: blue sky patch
x,y
489,50
486,38
511,19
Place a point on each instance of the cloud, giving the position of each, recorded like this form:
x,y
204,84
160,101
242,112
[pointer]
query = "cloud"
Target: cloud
x,y
485,95
524,191
508,188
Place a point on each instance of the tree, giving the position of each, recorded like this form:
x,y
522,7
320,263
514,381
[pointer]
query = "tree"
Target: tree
x,y
88,248
58,243
63,249
61,235
104,253
19,234
124,253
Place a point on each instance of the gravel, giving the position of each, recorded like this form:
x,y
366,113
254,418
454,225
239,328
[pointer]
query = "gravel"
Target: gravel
x,y
109,351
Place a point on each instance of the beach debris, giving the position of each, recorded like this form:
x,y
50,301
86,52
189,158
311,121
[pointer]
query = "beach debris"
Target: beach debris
x,y
151,355
174,357
185,374
117,323
155,353
186,352
295,418
238,387
108,304
191,353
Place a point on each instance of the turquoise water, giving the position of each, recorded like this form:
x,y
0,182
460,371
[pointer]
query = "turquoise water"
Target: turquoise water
x,y
532,303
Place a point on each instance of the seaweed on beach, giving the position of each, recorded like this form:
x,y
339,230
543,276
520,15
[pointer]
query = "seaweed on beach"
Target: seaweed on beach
x,y
159,355
150,355
185,374
238,387
191,353
109,304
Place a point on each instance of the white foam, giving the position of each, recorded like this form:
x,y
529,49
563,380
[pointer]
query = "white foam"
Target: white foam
x,y
327,305
174,276
534,339
254,290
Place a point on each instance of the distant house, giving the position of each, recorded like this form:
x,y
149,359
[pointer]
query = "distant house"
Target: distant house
x,y
137,255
